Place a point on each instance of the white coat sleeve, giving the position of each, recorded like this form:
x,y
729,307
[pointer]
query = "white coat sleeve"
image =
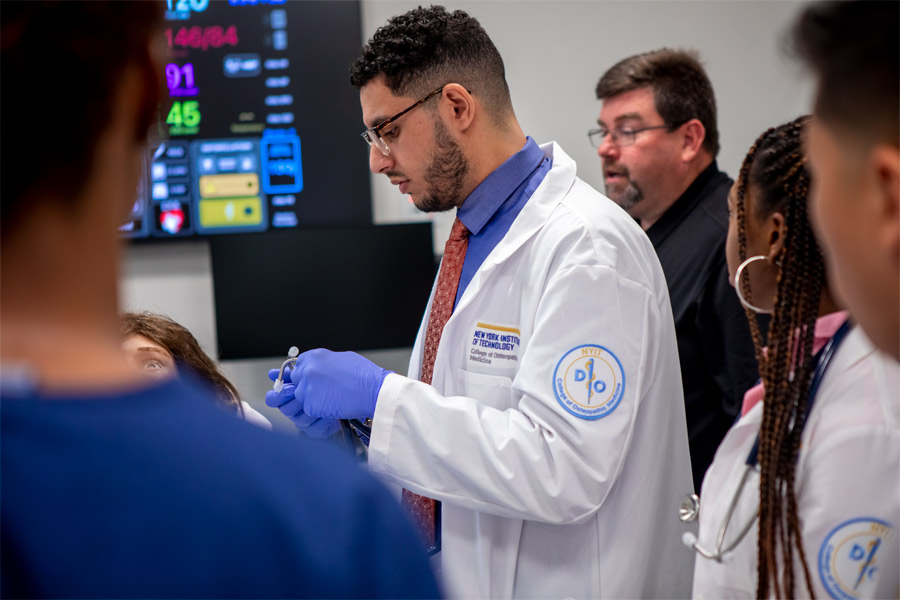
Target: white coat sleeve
x,y
850,511
534,459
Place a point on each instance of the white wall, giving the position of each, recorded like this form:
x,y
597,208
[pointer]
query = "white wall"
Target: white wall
x,y
555,51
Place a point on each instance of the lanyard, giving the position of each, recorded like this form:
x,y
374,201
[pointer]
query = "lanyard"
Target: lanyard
x,y
822,363
690,507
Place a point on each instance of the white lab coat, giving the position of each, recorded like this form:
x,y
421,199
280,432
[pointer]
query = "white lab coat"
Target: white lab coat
x,y
251,415
538,502
847,483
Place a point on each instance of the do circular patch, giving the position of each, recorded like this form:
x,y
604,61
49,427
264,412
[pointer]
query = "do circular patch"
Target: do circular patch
x,y
589,381
848,558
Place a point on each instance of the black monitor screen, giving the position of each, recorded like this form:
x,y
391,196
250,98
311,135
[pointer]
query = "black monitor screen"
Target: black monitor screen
x,y
351,288
261,130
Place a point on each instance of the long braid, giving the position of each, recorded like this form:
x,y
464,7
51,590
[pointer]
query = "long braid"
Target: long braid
x,y
806,262
755,331
764,537
775,169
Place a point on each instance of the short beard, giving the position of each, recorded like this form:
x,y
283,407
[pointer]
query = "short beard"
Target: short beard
x,y
445,174
628,197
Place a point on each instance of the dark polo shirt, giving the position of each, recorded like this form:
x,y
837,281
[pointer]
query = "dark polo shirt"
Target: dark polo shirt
x,y
718,362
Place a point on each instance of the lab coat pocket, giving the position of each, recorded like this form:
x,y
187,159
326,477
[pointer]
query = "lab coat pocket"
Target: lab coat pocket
x,y
491,390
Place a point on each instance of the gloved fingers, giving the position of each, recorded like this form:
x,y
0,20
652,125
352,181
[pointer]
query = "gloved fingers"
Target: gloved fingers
x,y
337,385
322,428
315,363
296,372
314,427
291,408
277,399
309,395
306,390
273,374
303,420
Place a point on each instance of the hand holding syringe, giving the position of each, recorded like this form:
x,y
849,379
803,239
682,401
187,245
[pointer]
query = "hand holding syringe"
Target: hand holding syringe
x,y
292,404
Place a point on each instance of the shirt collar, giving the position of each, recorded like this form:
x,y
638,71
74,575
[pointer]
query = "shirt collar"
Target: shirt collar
x,y
683,206
486,199
826,326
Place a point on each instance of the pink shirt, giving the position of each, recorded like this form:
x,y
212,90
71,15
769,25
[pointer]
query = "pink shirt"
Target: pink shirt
x,y
826,326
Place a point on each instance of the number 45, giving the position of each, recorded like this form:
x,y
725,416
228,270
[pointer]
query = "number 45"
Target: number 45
x,y
184,113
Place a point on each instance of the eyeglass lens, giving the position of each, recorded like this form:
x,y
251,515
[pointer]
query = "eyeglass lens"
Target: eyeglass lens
x,y
620,137
373,135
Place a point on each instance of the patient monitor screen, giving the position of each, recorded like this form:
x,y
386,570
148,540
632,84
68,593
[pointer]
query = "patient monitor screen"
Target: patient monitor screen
x,y
260,130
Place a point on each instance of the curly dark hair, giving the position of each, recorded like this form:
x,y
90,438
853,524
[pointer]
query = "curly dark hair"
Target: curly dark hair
x,y
425,48
775,170
681,89
185,350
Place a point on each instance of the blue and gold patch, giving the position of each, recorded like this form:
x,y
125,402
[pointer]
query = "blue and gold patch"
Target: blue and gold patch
x,y
848,558
589,381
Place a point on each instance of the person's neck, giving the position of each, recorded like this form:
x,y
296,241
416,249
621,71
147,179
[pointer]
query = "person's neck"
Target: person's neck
x,y
58,290
489,148
827,305
676,190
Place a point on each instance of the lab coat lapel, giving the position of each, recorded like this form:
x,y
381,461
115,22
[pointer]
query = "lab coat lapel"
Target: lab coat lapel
x,y
557,183
534,215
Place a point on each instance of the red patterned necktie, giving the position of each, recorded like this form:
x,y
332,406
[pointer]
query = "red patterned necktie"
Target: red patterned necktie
x,y
424,511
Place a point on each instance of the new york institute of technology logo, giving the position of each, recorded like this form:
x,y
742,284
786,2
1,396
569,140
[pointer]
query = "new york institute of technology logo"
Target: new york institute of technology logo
x,y
589,381
849,557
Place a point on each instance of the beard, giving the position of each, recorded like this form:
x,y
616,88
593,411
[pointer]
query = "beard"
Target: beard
x,y
445,173
626,195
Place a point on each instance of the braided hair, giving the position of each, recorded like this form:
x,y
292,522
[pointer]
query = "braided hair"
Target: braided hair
x,y
775,170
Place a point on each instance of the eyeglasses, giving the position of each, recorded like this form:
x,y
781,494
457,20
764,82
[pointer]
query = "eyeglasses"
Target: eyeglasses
x,y
372,135
621,137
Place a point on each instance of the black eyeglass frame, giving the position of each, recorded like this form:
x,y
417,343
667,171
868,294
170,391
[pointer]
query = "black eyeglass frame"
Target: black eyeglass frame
x,y
372,135
631,133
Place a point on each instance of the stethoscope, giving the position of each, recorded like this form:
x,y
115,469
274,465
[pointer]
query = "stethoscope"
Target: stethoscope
x,y
690,507
349,426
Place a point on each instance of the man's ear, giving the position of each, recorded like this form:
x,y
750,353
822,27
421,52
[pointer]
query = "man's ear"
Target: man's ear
x,y
459,108
884,165
693,134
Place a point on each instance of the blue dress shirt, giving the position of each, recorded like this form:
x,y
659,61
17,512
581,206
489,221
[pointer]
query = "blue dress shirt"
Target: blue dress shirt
x,y
491,208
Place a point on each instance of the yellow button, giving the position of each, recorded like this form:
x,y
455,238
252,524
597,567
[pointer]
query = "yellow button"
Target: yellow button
x,y
225,186
233,212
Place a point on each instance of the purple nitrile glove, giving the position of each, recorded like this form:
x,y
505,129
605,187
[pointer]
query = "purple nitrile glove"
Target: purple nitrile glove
x,y
287,403
337,385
